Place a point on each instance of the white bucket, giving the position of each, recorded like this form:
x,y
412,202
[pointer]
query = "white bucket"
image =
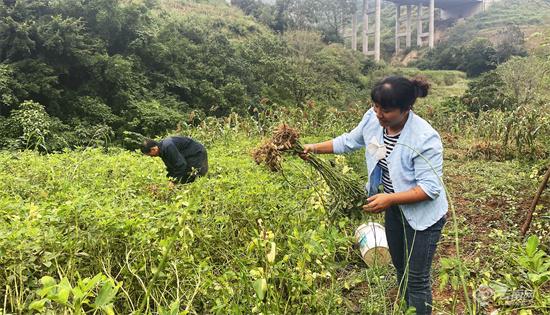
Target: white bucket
x,y
371,238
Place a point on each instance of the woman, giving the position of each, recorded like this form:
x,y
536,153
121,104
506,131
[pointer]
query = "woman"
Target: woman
x,y
405,156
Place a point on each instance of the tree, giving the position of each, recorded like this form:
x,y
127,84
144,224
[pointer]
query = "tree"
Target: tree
x,y
8,85
478,57
327,16
526,78
487,92
30,124
140,65
509,42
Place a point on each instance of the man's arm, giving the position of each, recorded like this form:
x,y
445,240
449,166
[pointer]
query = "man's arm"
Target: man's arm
x,y
176,164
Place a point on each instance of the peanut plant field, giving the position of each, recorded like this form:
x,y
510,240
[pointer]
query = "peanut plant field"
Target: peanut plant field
x,y
99,231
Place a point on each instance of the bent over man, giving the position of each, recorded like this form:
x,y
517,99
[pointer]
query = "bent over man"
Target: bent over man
x,y
185,158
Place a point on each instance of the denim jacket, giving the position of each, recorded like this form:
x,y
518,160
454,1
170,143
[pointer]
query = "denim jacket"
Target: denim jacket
x,y
407,164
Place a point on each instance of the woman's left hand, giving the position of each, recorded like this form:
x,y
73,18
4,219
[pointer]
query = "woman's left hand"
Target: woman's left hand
x,y
378,203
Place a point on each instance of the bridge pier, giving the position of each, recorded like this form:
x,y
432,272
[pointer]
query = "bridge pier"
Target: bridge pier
x,y
367,29
419,32
397,26
431,27
407,33
408,30
354,32
449,8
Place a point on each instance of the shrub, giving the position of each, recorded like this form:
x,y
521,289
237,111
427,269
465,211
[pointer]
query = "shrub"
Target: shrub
x,y
150,117
30,125
487,92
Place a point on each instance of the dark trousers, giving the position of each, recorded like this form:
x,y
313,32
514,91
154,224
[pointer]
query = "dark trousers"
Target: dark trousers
x,y
413,279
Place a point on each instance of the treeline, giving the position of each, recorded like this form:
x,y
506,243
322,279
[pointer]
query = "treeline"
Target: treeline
x,y
71,71
329,17
504,112
475,56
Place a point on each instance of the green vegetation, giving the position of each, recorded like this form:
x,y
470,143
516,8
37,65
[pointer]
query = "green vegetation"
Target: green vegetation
x,y
475,56
324,16
93,213
111,66
504,112
242,239
519,12
89,227
487,39
331,19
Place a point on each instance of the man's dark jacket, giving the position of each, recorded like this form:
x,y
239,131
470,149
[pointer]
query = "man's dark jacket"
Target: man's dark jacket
x,y
181,155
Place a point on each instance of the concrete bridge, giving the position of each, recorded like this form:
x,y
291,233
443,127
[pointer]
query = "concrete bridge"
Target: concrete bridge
x,y
424,13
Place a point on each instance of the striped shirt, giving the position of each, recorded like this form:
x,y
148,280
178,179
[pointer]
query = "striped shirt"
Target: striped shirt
x,y
389,142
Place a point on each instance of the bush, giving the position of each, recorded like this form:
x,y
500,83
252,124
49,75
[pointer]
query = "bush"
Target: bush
x,y
526,79
487,92
478,57
449,79
30,125
150,118
8,85
487,39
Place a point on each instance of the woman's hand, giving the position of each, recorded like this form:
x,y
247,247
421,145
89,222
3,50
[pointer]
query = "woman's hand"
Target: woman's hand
x,y
308,148
317,148
379,203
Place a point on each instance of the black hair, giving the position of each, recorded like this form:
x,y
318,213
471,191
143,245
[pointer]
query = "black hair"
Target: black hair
x,y
147,145
399,92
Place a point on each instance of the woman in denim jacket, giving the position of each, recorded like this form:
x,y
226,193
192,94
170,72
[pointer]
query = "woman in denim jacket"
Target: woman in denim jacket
x,y
405,156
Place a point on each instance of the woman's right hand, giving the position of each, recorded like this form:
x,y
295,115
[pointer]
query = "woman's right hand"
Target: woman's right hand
x,y
308,148
317,148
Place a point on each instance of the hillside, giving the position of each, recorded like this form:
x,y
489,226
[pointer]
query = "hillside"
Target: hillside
x,y
495,35
526,14
107,66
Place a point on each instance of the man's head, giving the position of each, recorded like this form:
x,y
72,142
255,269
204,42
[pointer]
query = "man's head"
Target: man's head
x,y
150,147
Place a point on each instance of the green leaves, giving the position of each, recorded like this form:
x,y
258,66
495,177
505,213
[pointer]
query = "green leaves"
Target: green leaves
x,y
532,245
251,241
62,295
260,287
38,305
63,291
449,273
106,294
142,66
52,291
271,255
